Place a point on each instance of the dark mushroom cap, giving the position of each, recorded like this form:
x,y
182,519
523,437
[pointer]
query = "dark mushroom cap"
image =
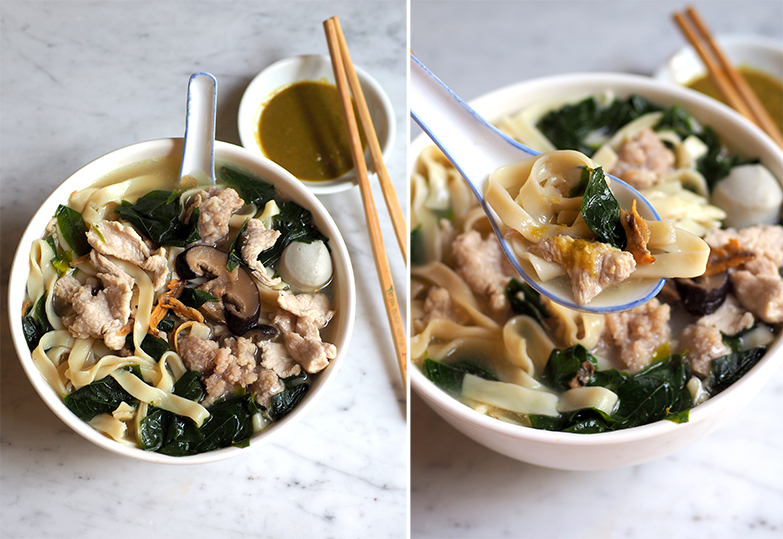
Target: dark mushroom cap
x,y
703,295
236,289
262,332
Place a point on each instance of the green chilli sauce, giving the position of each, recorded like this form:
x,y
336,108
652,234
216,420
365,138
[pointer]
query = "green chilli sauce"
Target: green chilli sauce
x,y
768,88
302,129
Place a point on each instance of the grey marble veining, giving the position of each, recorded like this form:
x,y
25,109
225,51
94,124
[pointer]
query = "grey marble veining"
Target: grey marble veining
x,y
727,485
82,78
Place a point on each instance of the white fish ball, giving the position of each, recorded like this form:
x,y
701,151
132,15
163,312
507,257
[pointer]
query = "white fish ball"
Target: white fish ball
x,y
306,266
749,195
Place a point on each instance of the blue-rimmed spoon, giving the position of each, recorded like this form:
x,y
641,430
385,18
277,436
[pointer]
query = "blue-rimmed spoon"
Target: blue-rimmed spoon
x,y
198,154
477,149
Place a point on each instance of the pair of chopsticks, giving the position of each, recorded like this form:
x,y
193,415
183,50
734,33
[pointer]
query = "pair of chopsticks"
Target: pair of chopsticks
x,y
345,76
730,83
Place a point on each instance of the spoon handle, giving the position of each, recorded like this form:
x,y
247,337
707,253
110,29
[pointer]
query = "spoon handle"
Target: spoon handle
x,y
472,144
198,155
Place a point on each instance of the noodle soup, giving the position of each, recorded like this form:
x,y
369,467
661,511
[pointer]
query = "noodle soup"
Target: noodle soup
x,y
492,343
184,320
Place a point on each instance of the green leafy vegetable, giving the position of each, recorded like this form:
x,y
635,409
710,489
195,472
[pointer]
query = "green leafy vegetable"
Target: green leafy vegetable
x,y
572,126
153,428
100,397
449,376
195,298
726,370
525,300
156,215
180,435
546,422
717,163
166,325
563,365
251,190
568,127
418,247
283,403
161,426
32,333
601,210
35,323
52,242
154,346
683,416
587,421
575,126
295,224
189,386
658,392
234,259
738,342
579,189
621,112
230,423
677,120
73,229
62,262
611,379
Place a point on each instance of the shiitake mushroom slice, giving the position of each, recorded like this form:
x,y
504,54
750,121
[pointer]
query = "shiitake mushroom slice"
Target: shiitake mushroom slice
x,y
236,289
703,295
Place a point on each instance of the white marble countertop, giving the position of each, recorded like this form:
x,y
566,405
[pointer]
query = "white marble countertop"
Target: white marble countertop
x,y
81,78
729,484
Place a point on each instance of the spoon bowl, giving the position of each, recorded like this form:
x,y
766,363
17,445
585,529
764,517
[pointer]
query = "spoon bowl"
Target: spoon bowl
x,y
198,154
477,148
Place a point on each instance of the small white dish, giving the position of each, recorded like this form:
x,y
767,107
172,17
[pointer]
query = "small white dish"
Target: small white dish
x,y
761,53
314,67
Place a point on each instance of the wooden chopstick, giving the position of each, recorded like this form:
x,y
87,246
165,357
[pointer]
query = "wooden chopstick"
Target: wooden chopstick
x,y
389,194
729,81
371,215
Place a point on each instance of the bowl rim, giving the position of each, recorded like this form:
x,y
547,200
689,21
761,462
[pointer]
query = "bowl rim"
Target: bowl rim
x,y
254,98
287,185
762,45
581,85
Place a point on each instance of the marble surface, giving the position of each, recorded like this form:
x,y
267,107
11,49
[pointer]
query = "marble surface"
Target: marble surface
x,y
81,78
729,484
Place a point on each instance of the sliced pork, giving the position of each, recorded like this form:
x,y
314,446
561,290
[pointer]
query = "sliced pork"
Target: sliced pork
x,y
484,268
216,206
103,313
255,240
112,238
300,319
591,265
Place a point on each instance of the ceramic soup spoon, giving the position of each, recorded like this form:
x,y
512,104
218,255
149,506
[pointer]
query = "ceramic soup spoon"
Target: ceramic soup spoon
x,y
477,149
198,154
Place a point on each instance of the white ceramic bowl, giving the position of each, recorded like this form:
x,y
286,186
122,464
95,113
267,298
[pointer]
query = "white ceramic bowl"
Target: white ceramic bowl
x,y
640,444
288,186
314,67
764,54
